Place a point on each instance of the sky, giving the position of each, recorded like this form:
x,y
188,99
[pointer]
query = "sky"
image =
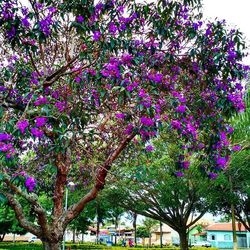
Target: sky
x,y
235,12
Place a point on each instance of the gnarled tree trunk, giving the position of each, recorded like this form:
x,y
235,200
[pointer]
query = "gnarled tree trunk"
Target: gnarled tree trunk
x,y
52,245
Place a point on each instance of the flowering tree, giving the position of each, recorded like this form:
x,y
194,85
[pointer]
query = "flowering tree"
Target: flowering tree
x,y
80,80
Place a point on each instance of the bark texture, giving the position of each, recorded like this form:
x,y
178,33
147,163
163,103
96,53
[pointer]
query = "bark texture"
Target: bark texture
x,y
183,239
52,245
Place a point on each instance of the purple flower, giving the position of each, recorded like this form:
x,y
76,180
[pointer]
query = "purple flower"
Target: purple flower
x,y
179,174
176,124
126,59
142,93
79,19
129,129
41,101
52,9
39,6
25,22
212,175
45,24
6,147
40,121
146,121
2,88
37,132
11,33
5,137
186,164
221,161
158,77
96,35
112,28
149,148
78,79
22,125
61,106
181,109
236,148
30,184
120,116
223,136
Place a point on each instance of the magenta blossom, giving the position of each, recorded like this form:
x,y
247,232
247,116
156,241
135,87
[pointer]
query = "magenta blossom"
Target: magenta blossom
x,y
212,175
186,164
221,161
181,109
120,116
79,19
146,121
40,101
61,106
30,184
37,132
179,174
176,124
22,125
149,148
236,148
41,121
5,137
96,35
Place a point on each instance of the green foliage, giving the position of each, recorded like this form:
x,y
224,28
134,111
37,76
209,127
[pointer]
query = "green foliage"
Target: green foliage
x,y
236,181
142,232
8,222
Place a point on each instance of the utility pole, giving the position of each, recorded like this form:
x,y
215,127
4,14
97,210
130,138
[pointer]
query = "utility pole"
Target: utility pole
x,y
235,245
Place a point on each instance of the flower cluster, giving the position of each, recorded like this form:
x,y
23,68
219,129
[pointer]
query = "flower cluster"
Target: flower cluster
x,y
30,183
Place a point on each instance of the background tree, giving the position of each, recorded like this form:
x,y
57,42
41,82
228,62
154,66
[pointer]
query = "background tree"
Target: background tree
x,y
236,182
79,80
150,225
9,223
151,185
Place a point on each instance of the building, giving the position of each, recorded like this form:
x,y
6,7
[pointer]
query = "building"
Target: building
x,y
220,235
168,236
196,234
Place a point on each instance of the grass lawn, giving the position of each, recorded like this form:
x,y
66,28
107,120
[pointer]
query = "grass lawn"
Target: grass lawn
x,y
38,246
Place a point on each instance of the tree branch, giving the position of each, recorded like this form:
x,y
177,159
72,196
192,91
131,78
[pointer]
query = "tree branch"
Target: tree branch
x,y
102,172
16,206
41,213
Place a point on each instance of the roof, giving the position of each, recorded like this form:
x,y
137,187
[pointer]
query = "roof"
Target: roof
x,y
225,227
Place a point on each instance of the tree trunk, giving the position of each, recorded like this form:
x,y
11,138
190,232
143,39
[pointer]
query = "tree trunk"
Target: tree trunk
x,y
161,243
116,228
97,231
134,227
74,235
2,237
183,240
52,245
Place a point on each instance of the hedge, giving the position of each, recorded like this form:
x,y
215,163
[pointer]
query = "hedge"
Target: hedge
x,y
37,246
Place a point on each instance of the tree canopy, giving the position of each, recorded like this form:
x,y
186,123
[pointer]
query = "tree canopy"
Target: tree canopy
x,y
81,79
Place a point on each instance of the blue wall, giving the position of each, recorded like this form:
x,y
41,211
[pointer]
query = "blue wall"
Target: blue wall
x,y
224,239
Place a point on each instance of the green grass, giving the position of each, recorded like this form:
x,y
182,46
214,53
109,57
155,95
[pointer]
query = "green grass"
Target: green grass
x,y
37,246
